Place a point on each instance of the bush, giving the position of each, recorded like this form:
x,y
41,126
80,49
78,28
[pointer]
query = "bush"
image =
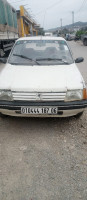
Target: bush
x,y
80,32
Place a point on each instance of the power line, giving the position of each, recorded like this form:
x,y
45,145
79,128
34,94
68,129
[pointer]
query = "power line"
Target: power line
x,y
45,10
17,1
53,5
83,3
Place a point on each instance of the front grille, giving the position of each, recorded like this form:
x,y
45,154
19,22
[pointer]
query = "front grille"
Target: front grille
x,y
39,96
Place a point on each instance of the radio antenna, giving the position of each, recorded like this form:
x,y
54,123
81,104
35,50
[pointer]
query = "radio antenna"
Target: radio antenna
x,y
44,18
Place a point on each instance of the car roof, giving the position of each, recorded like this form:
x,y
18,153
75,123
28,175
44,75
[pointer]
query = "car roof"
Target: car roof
x,y
41,38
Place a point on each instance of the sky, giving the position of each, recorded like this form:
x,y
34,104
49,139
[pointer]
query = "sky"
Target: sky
x,y
48,13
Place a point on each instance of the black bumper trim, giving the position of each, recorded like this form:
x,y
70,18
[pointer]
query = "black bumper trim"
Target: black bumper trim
x,y
16,105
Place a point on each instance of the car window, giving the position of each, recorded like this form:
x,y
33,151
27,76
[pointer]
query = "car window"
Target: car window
x,y
46,52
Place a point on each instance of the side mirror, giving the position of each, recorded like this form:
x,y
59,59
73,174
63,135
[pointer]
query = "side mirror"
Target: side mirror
x,y
78,60
3,60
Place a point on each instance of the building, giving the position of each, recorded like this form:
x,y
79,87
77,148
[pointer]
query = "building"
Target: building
x,y
26,24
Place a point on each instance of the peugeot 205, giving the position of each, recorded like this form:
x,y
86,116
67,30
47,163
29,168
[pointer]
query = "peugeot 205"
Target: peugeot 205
x,y
40,78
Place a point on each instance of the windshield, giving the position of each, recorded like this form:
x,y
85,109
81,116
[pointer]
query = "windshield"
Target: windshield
x,y
40,52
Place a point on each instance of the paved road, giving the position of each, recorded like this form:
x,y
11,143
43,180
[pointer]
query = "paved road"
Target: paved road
x,y
79,50
45,159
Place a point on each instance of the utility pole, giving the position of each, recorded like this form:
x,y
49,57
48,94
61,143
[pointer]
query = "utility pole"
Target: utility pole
x,y
73,18
61,24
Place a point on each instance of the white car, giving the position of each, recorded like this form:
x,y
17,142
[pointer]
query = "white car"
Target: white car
x,y
41,79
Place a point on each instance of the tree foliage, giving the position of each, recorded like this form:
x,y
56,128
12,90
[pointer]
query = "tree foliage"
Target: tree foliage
x,y
81,32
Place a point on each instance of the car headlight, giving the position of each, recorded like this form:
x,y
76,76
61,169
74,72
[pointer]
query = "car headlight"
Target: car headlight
x,y
6,95
74,95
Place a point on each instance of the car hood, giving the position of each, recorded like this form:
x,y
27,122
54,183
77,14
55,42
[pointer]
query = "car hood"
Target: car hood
x,y
40,78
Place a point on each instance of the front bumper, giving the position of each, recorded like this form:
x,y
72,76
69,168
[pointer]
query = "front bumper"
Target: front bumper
x,y
65,109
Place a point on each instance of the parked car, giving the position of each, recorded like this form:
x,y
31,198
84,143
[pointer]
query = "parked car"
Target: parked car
x,y
41,79
48,34
76,38
70,37
84,39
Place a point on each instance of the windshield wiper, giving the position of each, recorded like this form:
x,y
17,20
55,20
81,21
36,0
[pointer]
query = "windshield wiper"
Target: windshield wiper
x,y
50,59
25,57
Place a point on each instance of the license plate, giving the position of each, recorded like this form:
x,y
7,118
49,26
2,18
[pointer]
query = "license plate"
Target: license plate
x,y
39,110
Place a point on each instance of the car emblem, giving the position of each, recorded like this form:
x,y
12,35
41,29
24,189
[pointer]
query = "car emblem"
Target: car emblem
x,y
38,96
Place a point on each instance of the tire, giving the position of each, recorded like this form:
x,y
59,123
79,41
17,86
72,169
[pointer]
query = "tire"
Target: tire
x,y
79,115
85,42
2,53
3,116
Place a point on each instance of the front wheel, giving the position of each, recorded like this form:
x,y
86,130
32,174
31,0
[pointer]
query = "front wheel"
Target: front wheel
x,y
2,115
79,115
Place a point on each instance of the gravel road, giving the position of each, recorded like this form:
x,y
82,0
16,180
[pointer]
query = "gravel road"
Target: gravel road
x,y
45,159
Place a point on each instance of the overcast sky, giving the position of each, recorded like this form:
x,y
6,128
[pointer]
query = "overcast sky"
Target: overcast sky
x,y
49,12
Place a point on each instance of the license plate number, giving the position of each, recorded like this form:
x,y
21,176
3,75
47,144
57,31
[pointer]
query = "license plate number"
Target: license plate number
x,y
43,110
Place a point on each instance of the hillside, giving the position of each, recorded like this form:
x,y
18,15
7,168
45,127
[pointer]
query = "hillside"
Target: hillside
x,y
77,24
